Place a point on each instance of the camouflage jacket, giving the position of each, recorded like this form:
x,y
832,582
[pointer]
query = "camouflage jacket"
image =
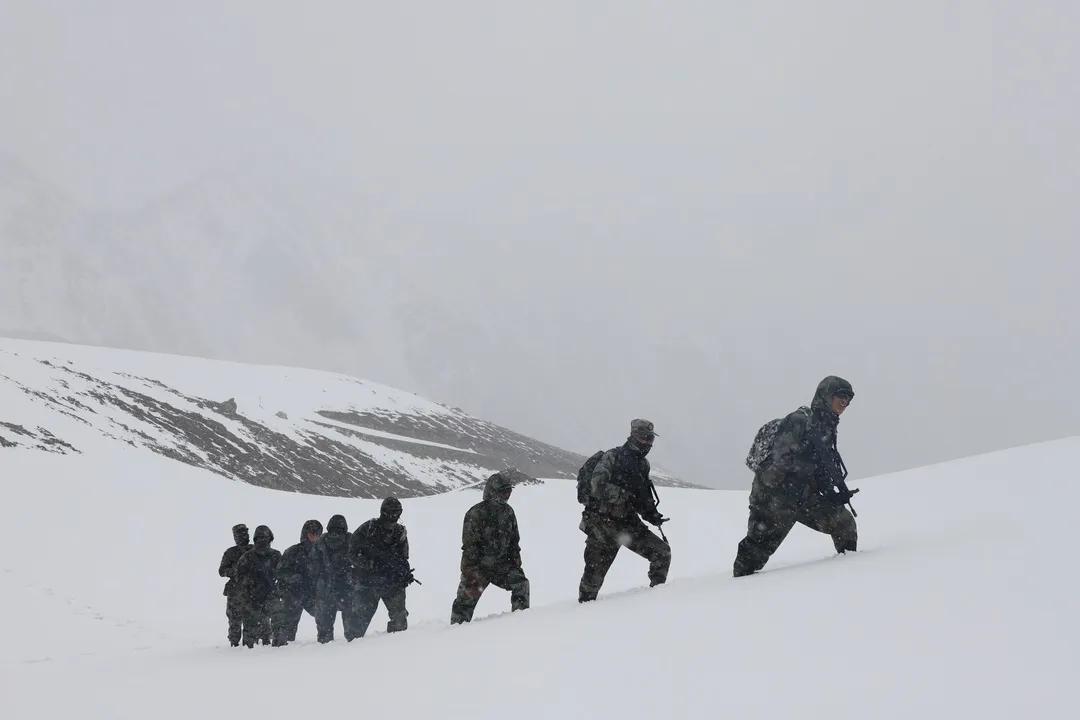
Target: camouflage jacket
x,y
335,569
620,487
227,568
489,537
380,553
255,574
298,571
804,454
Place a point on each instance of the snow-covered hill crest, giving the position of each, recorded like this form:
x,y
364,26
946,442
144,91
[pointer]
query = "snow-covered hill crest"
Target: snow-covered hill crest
x,y
275,427
959,604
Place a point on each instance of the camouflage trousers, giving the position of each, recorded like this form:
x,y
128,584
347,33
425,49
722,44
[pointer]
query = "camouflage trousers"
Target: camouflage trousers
x,y
773,514
234,613
603,538
475,581
327,606
256,620
287,613
366,602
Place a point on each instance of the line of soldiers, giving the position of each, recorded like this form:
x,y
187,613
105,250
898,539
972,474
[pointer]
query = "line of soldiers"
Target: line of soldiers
x,y
324,574
335,572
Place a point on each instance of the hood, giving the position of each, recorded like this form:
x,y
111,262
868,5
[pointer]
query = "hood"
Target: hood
x,y
498,487
263,536
390,510
337,525
311,526
828,388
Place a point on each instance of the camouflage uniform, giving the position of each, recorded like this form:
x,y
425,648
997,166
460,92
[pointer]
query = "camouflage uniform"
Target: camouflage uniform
x,y
379,550
334,587
297,575
490,552
790,486
227,569
255,577
621,491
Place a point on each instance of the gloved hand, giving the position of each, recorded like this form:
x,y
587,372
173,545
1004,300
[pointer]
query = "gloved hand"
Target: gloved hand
x,y
837,496
656,519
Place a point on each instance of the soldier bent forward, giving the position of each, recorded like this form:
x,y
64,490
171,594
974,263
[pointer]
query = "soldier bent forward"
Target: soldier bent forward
x,y
334,586
620,491
255,576
791,485
297,575
490,552
379,550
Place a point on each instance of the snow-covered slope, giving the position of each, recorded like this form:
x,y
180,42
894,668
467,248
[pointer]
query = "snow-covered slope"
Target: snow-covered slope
x,y
277,427
960,603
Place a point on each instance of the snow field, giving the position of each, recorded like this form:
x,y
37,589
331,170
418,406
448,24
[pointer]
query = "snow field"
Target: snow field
x,y
961,602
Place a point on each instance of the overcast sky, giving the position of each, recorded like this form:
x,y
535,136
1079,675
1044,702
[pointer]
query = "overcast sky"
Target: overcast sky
x,y
592,211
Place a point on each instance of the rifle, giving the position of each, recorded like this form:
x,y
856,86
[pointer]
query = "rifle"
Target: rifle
x,y
656,506
411,578
838,479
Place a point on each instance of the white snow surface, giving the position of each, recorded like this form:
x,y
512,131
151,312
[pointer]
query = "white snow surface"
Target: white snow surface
x,y
960,603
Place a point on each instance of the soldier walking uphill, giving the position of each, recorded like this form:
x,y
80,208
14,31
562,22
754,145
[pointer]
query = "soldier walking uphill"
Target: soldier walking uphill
x,y
227,569
255,576
334,586
793,481
616,493
490,552
297,575
379,550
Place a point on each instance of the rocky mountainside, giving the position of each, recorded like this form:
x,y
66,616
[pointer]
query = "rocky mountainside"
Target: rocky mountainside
x,y
282,428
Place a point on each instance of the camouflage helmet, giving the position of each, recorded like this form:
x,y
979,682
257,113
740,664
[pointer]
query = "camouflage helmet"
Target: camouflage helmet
x,y
337,524
642,431
240,534
263,535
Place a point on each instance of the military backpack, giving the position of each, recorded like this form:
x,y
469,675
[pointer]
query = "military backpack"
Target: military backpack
x,y
763,442
584,475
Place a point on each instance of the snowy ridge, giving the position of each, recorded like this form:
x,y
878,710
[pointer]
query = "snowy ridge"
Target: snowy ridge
x,y
276,427
960,603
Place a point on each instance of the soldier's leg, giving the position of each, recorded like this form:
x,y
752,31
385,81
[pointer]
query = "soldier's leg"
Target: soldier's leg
x,y
469,590
833,520
261,615
395,607
514,580
325,611
285,619
358,618
235,615
252,626
519,589
600,552
766,529
656,551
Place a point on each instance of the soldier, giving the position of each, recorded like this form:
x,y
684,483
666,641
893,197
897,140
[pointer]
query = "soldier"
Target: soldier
x,y
334,586
791,484
620,491
255,576
297,576
490,552
227,569
379,550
